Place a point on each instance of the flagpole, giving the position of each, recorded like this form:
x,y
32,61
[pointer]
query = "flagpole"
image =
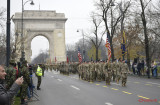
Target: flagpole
x,y
123,55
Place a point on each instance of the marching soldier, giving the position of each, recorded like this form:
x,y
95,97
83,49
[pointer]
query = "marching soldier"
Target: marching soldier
x,y
124,73
118,77
108,74
114,70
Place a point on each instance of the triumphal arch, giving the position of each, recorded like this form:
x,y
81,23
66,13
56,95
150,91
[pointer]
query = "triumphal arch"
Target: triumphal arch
x,y
41,23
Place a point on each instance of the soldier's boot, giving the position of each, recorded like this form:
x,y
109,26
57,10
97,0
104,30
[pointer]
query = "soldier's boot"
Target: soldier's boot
x,y
109,83
113,78
117,81
38,88
122,84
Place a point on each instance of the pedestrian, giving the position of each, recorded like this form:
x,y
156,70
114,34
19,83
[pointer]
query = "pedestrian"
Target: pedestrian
x,y
155,70
142,68
139,68
39,74
133,68
7,95
152,66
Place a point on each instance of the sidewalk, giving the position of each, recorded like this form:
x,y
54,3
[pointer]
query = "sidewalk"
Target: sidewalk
x,y
145,76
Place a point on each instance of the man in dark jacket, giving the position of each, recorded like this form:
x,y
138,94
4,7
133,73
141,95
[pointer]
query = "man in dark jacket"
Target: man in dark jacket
x,y
7,95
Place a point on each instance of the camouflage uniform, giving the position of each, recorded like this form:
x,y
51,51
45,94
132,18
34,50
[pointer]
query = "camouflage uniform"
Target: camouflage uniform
x,y
124,73
114,70
118,72
10,77
98,71
92,72
25,73
108,73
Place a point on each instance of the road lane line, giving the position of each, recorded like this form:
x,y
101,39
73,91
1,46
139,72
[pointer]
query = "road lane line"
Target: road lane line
x,y
136,82
75,87
142,97
153,83
105,86
114,89
115,83
59,79
97,84
52,76
107,103
126,92
148,84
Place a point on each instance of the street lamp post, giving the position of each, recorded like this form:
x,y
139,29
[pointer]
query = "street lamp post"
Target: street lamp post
x,y
8,34
83,46
22,39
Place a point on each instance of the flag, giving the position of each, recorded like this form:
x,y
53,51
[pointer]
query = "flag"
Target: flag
x,y
108,47
55,59
79,55
123,47
67,59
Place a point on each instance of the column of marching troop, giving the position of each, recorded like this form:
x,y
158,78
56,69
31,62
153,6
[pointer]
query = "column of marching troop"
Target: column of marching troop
x,y
91,71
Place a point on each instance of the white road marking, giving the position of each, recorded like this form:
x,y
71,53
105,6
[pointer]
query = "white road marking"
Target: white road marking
x,y
75,87
107,103
59,79
52,76
115,83
153,83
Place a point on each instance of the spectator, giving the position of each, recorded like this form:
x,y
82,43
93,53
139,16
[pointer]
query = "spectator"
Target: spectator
x,y
133,68
7,95
155,70
139,68
152,66
142,67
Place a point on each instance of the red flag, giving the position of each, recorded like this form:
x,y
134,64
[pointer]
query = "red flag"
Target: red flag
x,y
67,60
79,56
108,47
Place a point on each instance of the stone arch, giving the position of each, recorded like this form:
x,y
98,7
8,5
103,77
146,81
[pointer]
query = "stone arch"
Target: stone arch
x,y
51,26
32,36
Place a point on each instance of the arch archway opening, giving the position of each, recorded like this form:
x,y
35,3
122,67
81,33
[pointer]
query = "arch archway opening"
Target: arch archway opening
x,y
40,49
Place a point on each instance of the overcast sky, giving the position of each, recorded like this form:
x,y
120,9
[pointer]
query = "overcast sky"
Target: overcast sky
x,y
77,12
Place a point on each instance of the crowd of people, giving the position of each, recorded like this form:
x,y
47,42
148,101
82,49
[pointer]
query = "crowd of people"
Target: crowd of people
x,y
140,69
16,80
96,71
18,76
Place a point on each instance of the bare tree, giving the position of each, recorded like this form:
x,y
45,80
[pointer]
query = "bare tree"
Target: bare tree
x,y
144,4
96,31
105,6
2,19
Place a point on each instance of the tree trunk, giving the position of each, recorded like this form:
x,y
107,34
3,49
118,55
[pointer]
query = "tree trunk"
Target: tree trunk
x,y
146,38
96,54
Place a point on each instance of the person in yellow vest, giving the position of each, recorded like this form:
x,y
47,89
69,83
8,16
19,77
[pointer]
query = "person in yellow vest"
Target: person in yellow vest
x,y
39,74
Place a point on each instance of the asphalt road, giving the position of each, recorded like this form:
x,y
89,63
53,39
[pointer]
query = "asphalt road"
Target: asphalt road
x,y
58,89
